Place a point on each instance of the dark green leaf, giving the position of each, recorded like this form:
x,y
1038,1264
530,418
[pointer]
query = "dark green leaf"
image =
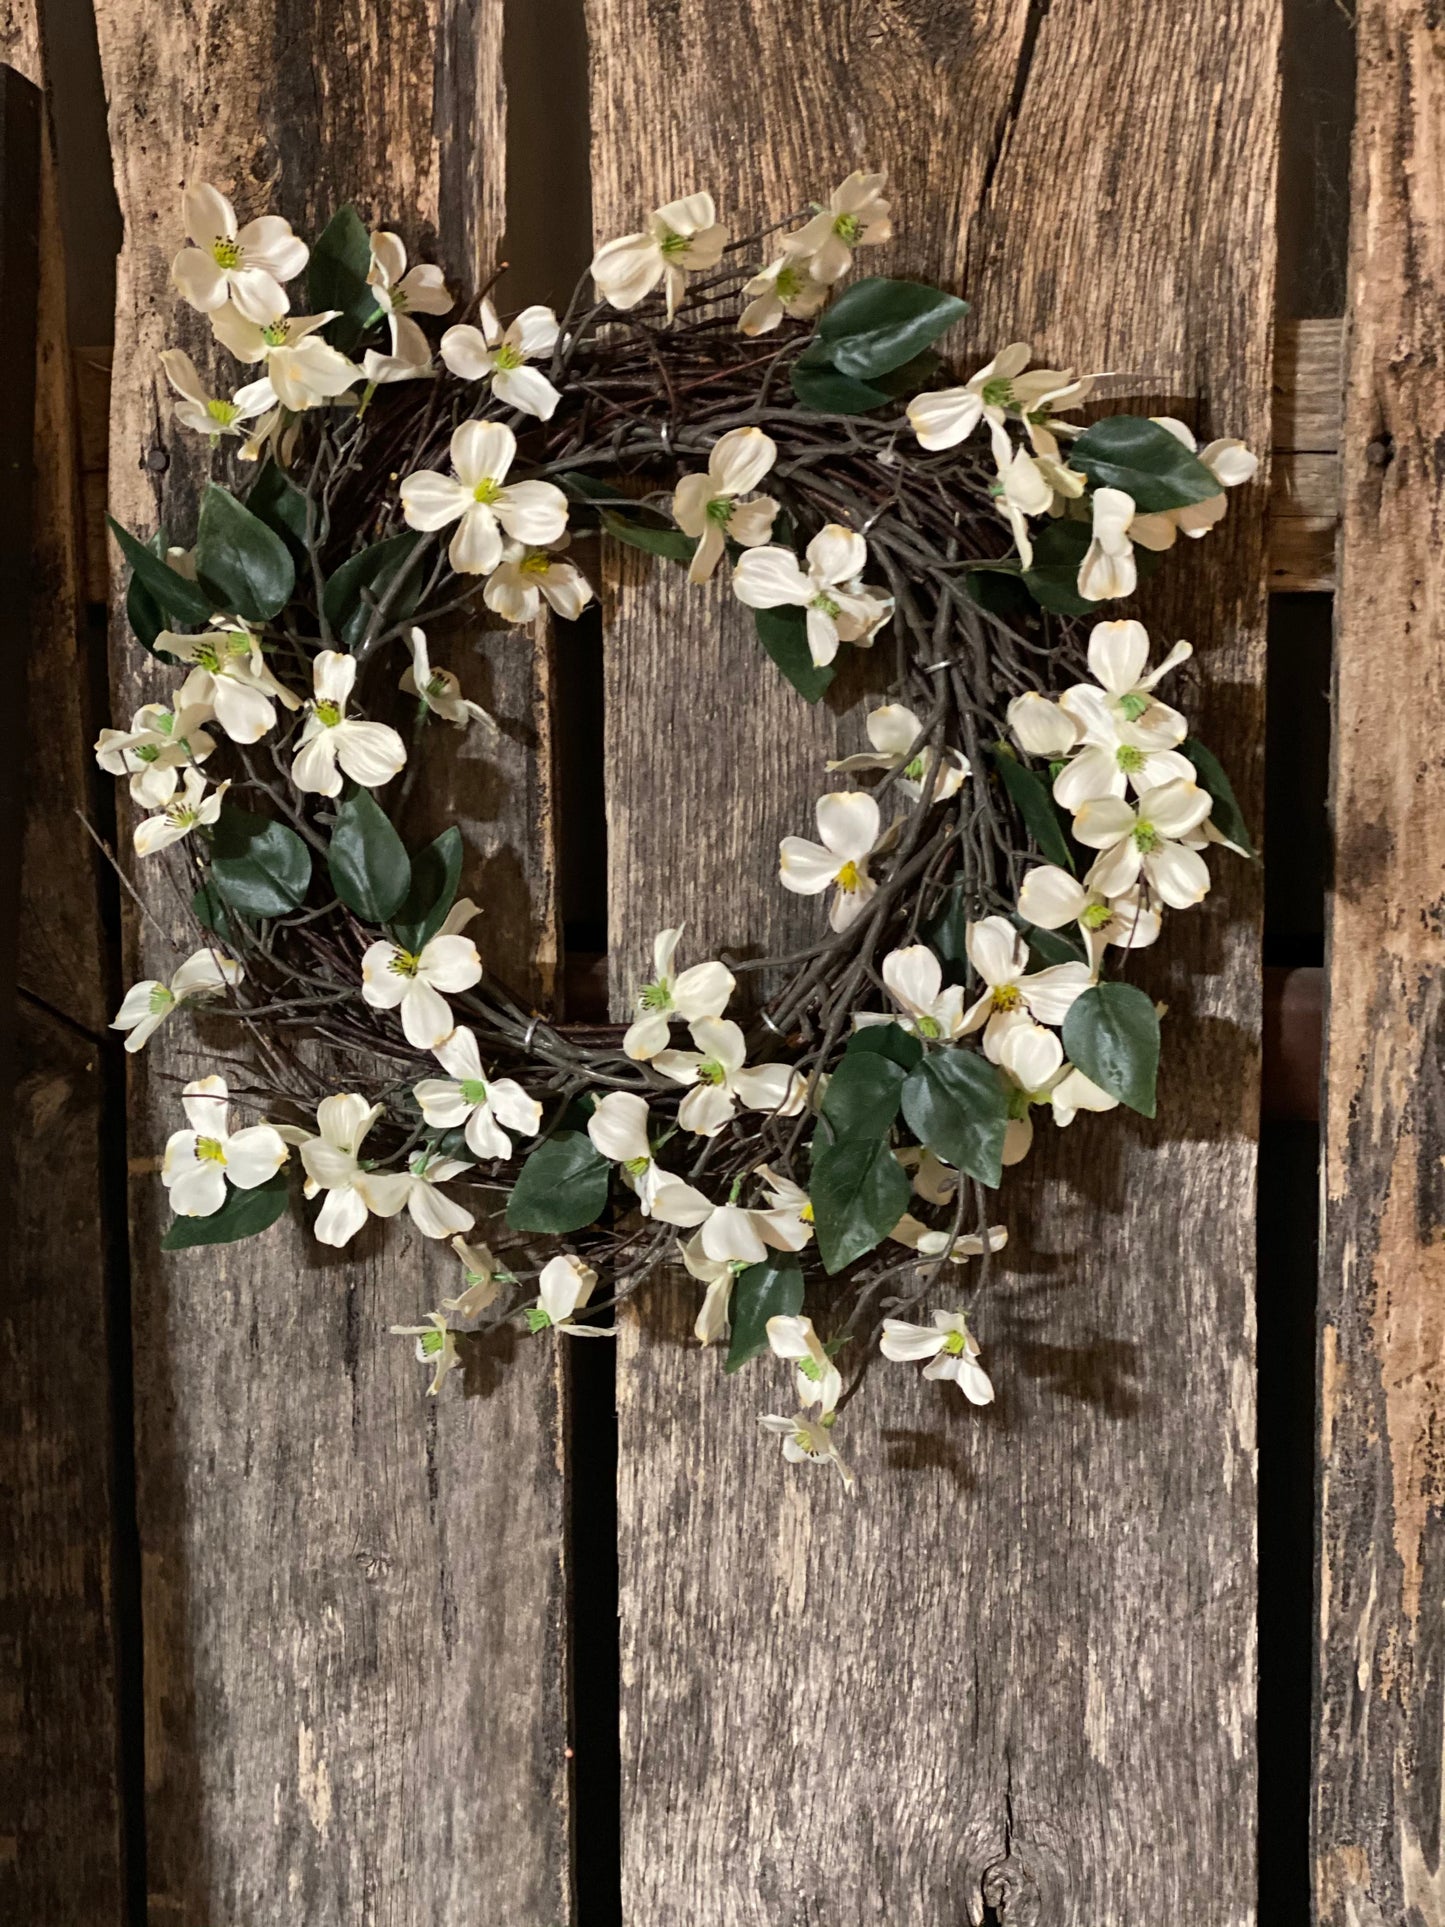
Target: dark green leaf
x,y
947,931
862,1096
773,1289
1226,816
1132,453
246,566
343,600
592,488
1111,1034
859,1192
877,325
369,867
887,1040
260,867
1048,947
821,386
956,1104
435,873
336,278
176,598
670,543
273,498
1053,581
209,908
242,1215
784,634
1032,799
999,590
562,1187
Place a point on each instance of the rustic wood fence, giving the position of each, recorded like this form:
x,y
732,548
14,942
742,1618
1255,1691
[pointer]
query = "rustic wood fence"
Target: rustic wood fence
x,y
356,1653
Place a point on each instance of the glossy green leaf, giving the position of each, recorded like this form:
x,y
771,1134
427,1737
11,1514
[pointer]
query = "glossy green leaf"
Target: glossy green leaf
x,y
336,278
562,1187
821,386
862,1095
261,867
1112,1035
1226,816
177,599
435,874
956,1104
273,498
1034,802
773,1289
363,580
242,1215
245,565
887,1040
1137,455
1053,580
877,325
671,544
370,870
1047,947
784,634
859,1191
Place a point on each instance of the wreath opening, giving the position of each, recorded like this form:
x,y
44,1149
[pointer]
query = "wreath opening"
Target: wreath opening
x,y
1027,808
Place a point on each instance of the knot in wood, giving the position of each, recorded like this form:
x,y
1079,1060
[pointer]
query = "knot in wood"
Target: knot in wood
x,y
157,459
1011,1893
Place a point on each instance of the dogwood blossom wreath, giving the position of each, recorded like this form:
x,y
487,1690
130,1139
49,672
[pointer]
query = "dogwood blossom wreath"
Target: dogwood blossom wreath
x,y
1026,808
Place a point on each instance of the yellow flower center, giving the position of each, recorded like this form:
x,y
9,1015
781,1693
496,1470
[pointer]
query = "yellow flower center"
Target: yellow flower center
x,y
1128,758
928,1027
849,877
1098,916
226,253
486,491
327,712
956,1344
806,1214
635,1167
1006,997
223,413
276,333
405,963
210,1150
508,357
182,816
847,227
535,562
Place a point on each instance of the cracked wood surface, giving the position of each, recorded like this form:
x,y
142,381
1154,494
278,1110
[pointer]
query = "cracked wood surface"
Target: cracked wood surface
x,y
1381,1714
353,1598
1017,1674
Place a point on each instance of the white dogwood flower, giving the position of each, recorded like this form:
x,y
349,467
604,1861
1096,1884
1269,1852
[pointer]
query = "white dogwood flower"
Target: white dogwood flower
x,y
433,1213
334,744
1148,839
1023,490
618,1128
1040,726
486,1108
332,1162
919,1237
564,1287
159,744
484,1279
500,355
302,370
708,506
894,732
201,1159
438,689
819,1381
1228,461
947,416
913,978
732,1233
702,990
402,292
243,265
1108,569
719,1079
207,414
855,215
719,1275
810,1438
1049,898
786,286
1001,957
420,982
680,238
478,499
526,576
229,678
850,825
1119,658
436,1345
146,1005
840,608
1032,1059
192,809
950,1348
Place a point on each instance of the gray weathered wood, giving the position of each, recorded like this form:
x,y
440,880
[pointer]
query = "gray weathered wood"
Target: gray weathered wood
x,y
1379,1740
1018,1675
352,1599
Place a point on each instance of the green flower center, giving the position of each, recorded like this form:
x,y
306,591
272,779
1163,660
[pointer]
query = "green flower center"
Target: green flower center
x,y
147,753
811,1369
928,1027
405,963
998,392
437,685
655,996
789,283
710,1071
486,491
327,712
1098,916
1146,838
223,413
826,605
226,254
535,562
1129,759
508,357
208,656
671,245
719,509
474,1091
914,770
276,334
847,227
399,300
211,1150
955,1344
537,1319
429,1344
634,1167
1132,706
182,816
161,1000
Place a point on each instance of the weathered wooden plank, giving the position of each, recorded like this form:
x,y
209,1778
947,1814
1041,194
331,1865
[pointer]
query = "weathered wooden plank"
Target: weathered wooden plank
x,y
1381,1590
1304,503
353,1601
60,1839
1309,394
1018,1676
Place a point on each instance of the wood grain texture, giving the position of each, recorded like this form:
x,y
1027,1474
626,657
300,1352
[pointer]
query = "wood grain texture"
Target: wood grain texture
x,y
60,1844
1381,1718
1304,502
1017,1676
352,1599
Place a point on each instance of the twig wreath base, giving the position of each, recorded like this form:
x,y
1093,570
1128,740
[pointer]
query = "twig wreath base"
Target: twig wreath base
x,y
1025,811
